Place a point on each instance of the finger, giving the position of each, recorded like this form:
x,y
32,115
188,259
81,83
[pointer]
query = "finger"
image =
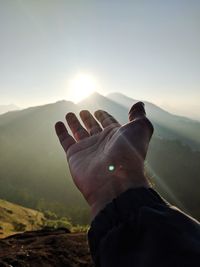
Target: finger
x,y
90,123
77,129
64,137
105,118
137,111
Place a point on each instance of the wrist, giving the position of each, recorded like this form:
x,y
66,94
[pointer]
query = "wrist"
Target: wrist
x,y
105,194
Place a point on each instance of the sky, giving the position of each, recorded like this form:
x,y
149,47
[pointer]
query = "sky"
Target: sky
x,y
148,50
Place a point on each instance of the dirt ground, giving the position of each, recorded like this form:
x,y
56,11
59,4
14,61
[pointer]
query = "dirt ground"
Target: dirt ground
x,y
45,248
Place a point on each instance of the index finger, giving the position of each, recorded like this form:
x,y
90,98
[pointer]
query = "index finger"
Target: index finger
x,y
64,137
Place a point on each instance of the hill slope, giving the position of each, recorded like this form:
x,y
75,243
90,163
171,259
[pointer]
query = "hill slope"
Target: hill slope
x,y
15,218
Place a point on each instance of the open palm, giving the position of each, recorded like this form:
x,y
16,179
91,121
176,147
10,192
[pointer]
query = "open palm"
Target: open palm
x,y
106,160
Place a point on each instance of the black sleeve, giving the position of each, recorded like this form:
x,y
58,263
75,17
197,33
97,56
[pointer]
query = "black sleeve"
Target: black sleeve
x,y
140,229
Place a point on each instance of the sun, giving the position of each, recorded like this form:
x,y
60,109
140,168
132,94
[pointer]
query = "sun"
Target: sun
x,y
81,86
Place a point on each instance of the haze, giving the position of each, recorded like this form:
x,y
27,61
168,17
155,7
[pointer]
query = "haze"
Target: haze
x,y
148,50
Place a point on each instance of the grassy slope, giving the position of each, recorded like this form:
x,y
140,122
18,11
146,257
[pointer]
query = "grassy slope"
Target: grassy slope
x,y
13,218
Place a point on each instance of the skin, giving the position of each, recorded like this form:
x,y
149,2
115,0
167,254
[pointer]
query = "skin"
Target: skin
x,y
106,158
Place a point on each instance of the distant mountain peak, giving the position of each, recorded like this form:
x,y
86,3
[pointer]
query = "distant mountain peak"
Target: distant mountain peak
x,y
9,107
95,94
63,101
92,97
116,93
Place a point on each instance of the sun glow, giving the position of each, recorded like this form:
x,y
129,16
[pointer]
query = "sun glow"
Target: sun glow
x,y
81,86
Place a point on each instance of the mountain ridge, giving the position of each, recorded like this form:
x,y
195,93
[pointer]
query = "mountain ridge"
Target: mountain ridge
x,y
114,94
8,108
95,95
182,128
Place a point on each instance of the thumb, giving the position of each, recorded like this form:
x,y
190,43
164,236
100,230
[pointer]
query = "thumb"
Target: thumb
x,y
137,111
140,128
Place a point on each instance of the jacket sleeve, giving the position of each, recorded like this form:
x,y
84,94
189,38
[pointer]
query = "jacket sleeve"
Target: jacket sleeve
x,y
140,229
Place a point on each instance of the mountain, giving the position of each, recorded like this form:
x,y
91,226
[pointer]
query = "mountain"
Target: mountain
x,y
6,108
97,101
34,173
15,218
167,125
33,168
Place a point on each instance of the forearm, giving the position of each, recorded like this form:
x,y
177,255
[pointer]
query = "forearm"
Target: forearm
x,y
140,229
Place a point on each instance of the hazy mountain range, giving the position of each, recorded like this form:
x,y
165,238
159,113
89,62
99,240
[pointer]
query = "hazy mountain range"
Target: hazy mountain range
x,y
33,170
167,125
6,108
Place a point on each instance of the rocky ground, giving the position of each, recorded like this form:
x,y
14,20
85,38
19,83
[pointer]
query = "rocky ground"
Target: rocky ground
x,y
45,248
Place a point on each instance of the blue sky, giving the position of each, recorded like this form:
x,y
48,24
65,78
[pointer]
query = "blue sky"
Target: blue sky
x,y
146,49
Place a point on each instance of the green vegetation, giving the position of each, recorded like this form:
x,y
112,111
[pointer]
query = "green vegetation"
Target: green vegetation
x,y
19,227
53,221
80,228
15,218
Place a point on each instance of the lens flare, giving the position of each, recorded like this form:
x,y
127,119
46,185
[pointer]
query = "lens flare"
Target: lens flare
x,y
111,168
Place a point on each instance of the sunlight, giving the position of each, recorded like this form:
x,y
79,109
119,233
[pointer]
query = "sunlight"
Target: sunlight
x,y
81,86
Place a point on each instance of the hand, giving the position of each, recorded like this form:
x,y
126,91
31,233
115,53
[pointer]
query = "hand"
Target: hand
x,y
106,161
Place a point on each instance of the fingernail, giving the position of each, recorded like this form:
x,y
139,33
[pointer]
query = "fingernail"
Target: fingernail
x,y
137,108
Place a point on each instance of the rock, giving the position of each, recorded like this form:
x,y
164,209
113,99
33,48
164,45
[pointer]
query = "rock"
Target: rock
x,y
45,248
